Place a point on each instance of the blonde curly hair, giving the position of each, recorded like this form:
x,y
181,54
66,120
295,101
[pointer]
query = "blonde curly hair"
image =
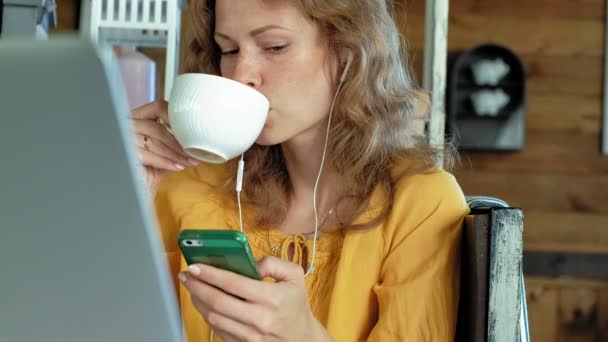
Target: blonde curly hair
x,y
374,121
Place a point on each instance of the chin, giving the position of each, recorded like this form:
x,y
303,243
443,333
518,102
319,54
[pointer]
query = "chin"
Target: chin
x,y
265,138
268,137
264,142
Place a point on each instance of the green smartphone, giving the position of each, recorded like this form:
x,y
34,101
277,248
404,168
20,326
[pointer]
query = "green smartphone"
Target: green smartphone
x,y
225,249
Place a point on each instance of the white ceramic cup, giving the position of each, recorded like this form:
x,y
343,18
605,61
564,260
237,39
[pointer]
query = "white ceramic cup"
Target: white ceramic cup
x,y
215,119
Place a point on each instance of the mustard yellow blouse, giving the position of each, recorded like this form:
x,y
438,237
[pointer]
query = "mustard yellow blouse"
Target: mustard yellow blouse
x,y
398,281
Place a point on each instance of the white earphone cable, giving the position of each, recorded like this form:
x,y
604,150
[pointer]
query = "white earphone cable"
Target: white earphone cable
x,y
311,268
239,187
241,170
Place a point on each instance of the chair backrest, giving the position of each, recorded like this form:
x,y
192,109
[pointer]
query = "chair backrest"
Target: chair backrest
x,y
493,304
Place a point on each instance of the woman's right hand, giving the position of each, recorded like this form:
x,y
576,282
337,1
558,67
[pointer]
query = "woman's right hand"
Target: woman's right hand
x,y
159,152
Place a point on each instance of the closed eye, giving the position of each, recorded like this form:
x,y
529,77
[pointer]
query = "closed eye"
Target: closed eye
x,y
276,49
230,52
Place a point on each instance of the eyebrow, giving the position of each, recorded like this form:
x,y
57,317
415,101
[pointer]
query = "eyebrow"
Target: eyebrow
x,y
255,32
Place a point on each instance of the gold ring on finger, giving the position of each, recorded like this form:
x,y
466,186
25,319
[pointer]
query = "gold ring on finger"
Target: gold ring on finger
x,y
146,145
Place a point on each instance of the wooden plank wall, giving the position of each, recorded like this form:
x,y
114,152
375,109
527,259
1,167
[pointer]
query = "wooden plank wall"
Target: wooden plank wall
x,y
567,310
560,179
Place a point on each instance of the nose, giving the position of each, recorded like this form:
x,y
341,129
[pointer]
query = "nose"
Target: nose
x,y
246,72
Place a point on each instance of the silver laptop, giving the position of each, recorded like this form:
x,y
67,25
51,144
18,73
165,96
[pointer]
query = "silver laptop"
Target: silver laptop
x,y
80,258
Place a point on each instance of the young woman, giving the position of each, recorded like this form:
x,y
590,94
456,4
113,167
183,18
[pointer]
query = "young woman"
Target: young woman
x,y
380,259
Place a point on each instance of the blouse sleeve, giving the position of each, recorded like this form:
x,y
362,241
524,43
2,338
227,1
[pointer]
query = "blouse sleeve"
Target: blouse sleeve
x,y
420,277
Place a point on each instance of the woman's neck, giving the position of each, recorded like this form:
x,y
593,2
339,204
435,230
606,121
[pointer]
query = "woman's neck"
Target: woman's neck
x,y
302,156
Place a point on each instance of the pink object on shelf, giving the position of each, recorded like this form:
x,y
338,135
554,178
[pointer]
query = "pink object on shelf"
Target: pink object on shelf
x,y
139,76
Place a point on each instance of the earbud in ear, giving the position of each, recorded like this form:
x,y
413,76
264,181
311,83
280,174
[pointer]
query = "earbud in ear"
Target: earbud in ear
x,y
349,60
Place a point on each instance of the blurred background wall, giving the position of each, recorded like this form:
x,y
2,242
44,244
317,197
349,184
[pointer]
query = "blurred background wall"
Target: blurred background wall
x,y
560,178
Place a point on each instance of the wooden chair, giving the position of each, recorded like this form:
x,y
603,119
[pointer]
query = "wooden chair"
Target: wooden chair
x,y
493,300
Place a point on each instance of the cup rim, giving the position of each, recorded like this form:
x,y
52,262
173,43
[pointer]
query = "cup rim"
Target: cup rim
x,y
229,81
223,155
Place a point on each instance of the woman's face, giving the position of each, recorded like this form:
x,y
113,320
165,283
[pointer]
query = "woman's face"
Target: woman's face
x,y
273,47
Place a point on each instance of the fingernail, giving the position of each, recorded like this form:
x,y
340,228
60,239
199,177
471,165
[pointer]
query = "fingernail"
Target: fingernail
x,y
194,270
192,161
179,167
182,277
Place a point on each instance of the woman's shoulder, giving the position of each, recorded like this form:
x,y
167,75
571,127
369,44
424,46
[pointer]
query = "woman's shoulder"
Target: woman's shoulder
x,y
430,196
430,185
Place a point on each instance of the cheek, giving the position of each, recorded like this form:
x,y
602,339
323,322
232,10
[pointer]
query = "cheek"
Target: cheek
x,y
301,69
300,87
299,98
226,68
313,96
300,90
